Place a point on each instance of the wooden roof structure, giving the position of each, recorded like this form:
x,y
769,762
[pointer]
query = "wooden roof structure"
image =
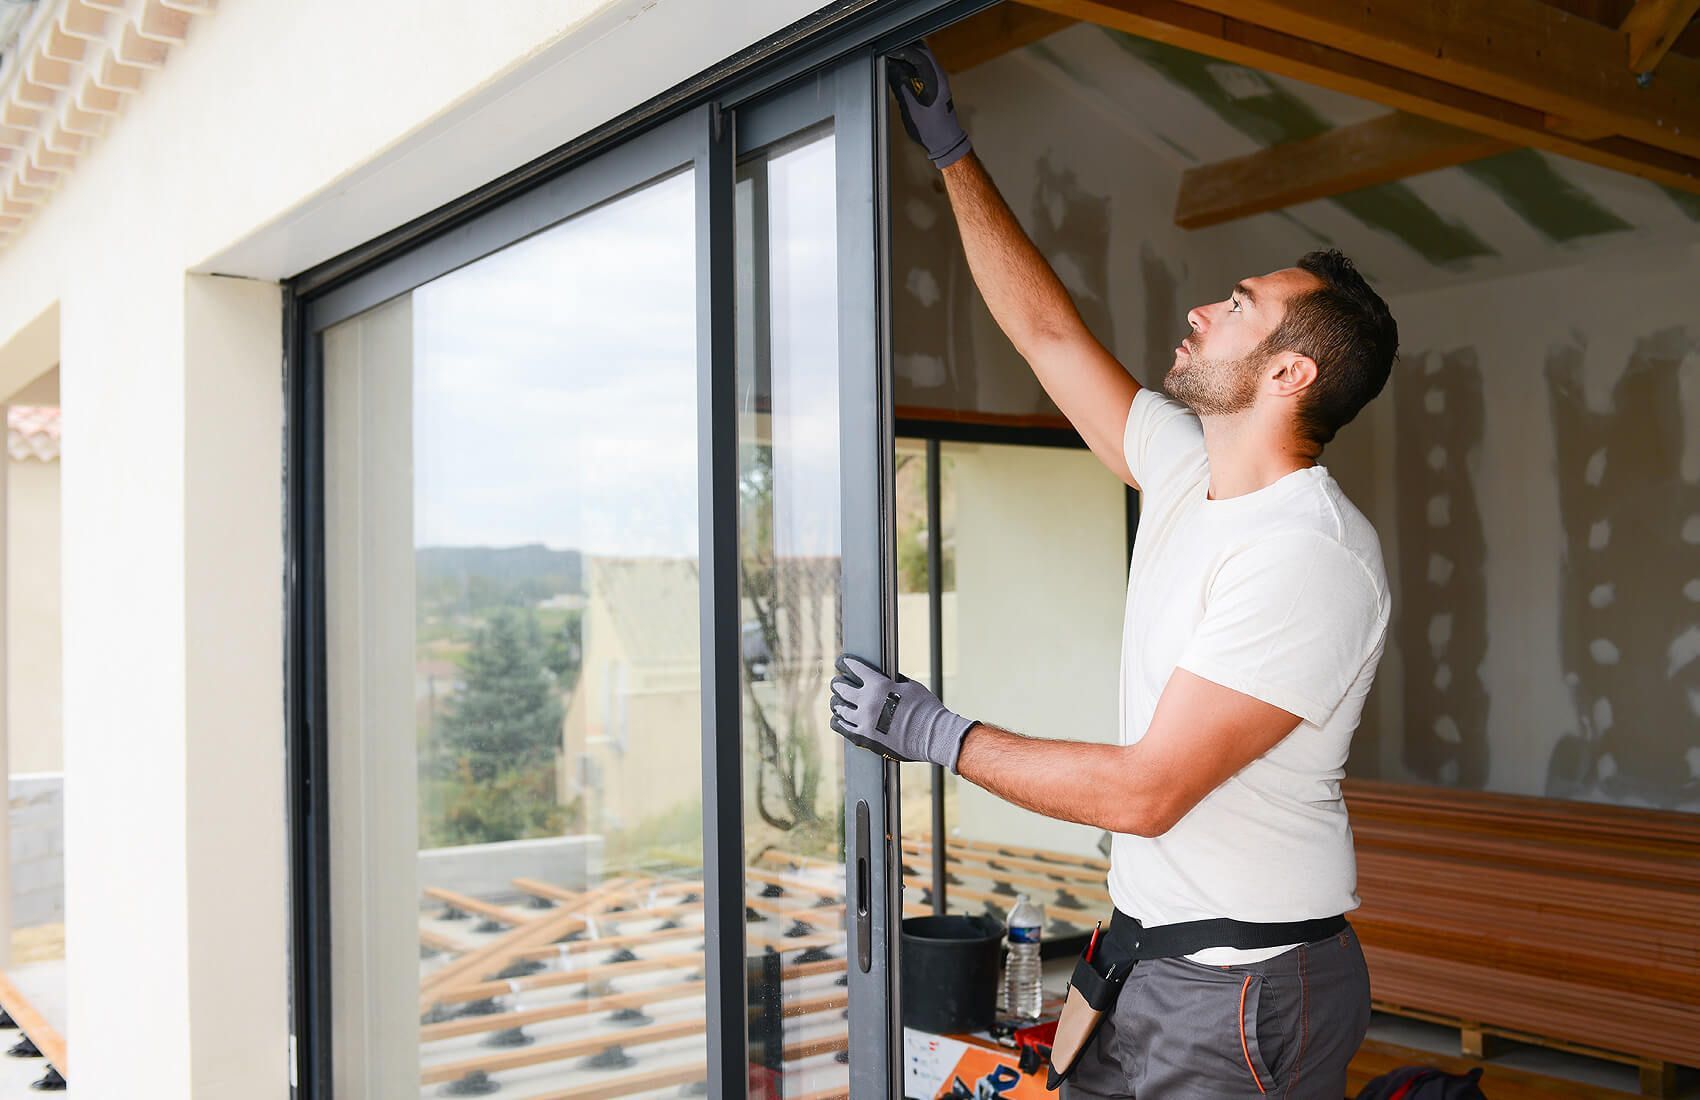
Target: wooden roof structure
x,y
1611,83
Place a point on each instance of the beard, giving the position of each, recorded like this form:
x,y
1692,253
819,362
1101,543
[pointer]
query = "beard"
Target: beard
x,y
1213,387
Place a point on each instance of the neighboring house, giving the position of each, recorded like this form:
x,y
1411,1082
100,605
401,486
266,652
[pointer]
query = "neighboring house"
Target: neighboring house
x,y
637,690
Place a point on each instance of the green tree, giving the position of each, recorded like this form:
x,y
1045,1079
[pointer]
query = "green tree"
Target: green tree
x,y
516,803
565,652
510,712
493,760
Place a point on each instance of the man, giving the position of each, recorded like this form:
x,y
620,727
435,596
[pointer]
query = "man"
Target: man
x,y
1257,611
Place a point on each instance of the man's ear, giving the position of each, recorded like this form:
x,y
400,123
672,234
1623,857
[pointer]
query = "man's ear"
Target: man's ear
x,y
1293,373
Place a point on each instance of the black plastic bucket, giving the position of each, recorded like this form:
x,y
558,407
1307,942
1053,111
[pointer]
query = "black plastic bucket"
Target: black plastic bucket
x,y
950,972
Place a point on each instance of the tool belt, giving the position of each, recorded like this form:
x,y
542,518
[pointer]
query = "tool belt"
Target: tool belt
x,y
1096,982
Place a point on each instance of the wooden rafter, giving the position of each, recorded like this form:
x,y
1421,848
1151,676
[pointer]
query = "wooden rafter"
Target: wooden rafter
x,y
1652,26
1522,51
1392,147
992,33
1191,27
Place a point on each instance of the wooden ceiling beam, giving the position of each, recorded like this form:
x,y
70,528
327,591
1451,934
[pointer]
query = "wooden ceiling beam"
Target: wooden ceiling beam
x,y
1392,147
1191,27
992,33
1570,128
1522,51
1652,26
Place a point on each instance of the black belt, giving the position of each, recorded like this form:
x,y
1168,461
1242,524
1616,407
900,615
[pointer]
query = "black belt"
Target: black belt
x,y
1128,939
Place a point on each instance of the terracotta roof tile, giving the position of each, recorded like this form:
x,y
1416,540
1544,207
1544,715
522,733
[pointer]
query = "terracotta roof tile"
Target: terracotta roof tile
x,y
32,432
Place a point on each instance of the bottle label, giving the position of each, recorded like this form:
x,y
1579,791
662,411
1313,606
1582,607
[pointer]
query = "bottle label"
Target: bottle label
x,y
1018,934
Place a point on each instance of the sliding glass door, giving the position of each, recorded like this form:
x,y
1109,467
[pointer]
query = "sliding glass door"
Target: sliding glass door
x,y
513,601
812,573
588,492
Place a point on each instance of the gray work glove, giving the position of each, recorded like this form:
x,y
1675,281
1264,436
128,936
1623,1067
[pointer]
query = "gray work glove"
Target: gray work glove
x,y
923,99
897,718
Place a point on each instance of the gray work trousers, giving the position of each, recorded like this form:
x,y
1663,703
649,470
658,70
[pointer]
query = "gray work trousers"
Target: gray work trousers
x,y
1284,1027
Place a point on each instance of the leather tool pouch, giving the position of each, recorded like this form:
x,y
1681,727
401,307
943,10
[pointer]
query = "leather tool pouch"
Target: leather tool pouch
x,y
1090,996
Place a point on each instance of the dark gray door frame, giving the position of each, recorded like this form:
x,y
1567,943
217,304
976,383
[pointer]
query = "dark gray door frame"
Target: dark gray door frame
x,y
840,47
849,95
679,144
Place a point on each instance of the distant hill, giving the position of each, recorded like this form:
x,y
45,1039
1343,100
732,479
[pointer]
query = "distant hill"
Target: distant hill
x,y
506,566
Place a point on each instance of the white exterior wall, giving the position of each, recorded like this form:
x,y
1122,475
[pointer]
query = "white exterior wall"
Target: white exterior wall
x,y
31,603
278,136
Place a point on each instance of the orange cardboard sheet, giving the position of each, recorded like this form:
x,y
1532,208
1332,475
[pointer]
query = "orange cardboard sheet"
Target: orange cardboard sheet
x,y
956,1065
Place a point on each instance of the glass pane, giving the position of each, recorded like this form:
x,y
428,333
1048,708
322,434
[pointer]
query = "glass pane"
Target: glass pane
x,y
789,572
914,643
512,617
1020,607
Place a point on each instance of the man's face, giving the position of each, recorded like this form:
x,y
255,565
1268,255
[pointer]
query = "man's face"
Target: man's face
x,y
1219,366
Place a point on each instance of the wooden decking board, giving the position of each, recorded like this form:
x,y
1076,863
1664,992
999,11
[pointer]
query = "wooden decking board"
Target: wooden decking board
x,y
32,1023
987,867
958,853
1574,925
552,923
496,1062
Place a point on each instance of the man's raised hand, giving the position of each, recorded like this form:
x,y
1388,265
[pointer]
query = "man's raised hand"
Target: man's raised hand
x,y
923,98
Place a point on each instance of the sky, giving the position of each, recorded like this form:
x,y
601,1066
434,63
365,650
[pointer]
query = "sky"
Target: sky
x,y
555,381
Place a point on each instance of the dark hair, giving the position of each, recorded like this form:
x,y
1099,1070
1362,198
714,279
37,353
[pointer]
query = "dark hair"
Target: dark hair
x,y
1348,330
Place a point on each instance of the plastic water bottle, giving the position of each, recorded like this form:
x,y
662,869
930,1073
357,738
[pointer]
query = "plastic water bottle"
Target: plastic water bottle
x,y
1022,993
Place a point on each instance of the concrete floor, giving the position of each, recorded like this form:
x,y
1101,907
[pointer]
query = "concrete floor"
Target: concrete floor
x,y
17,1073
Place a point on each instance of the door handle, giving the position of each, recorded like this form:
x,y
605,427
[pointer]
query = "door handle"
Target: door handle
x,y
863,894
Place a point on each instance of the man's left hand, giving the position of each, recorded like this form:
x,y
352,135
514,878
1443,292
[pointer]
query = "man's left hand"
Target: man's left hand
x,y
898,718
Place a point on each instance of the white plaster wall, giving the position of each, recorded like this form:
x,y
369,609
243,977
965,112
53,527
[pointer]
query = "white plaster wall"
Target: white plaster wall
x,y
1605,306
232,832
1041,578
172,564
32,616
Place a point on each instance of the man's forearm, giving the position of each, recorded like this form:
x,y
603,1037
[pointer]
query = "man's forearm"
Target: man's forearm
x,y
1081,781
1025,296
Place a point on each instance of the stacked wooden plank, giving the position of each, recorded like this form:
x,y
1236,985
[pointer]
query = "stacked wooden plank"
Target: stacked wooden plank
x,y
1575,925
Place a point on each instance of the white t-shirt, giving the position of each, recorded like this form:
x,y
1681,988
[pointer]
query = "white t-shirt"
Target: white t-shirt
x,y
1280,594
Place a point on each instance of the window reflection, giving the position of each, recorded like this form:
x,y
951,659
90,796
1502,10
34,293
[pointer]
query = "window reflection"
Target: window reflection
x,y
1007,624
512,619
789,580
